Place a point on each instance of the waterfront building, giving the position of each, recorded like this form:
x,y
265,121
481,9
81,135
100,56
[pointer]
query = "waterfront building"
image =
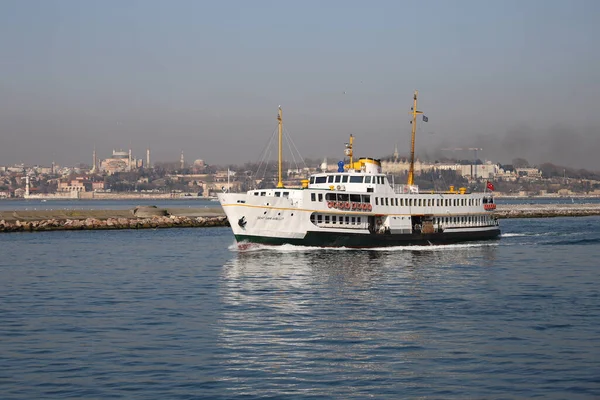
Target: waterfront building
x,y
120,161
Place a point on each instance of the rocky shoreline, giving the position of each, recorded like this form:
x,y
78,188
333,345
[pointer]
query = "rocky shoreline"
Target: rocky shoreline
x,y
155,222
155,218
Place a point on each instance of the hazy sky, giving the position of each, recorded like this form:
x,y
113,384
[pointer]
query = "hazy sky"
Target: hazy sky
x,y
516,78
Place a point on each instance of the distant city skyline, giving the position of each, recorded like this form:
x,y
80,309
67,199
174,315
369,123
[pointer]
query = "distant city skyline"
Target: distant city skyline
x,y
519,79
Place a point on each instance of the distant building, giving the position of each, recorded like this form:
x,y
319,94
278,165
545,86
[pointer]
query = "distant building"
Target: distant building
x,y
121,161
198,166
531,174
75,185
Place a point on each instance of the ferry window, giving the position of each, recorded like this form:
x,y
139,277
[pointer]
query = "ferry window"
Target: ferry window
x,y
347,220
330,179
263,193
256,193
312,179
353,220
358,220
345,179
386,201
419,202
342,196
396,202
366,199
356,179
321,179
367,179
355,198
286,194
277,194
376,201
319,218
338,178
330,197
327,219
333,219
402,202
313,197
320,196
312,218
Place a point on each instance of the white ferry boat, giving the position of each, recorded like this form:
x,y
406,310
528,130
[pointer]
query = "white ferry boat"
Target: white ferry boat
x,y
358,207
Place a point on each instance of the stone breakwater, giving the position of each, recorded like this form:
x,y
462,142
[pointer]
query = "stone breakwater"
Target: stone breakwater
x,y
155,222
546,210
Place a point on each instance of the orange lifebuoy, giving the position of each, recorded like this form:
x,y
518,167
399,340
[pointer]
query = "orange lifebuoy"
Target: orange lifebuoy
x,y
364,206
347,206
330,204
369,207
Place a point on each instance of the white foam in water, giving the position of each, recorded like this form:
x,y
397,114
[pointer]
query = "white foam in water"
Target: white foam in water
x,y
287,248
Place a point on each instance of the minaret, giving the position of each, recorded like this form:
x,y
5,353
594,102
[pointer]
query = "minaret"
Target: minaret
x,y
181,160
95,161
148,157
26,186
396,152
53,167
129,163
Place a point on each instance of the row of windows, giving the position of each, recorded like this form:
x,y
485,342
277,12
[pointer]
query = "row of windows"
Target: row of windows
x,y
355,198
348,220
385,201
472,219
335,220
375,179
277,194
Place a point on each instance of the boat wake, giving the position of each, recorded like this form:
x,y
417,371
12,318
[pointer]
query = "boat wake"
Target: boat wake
x,y
246,247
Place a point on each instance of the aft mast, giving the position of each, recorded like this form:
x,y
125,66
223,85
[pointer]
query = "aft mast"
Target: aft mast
x,y
414,113
280,122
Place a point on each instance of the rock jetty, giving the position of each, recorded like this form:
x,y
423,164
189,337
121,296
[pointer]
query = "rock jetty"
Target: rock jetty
x,y
546,210
146,217
171,221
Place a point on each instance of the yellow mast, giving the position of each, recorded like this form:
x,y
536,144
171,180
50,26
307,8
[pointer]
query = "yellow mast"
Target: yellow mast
x,y
414,113
280,121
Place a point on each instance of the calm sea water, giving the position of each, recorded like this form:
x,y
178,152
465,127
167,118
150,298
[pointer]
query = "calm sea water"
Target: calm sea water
x,y
182,314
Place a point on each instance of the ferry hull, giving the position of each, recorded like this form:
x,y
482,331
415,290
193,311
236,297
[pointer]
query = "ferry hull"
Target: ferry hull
x,y
357,240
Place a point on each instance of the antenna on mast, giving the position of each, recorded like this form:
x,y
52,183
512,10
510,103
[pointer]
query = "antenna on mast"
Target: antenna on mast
x,y
280,123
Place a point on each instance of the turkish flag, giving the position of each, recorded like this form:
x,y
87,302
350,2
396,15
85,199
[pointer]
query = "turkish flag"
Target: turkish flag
x,y
490,185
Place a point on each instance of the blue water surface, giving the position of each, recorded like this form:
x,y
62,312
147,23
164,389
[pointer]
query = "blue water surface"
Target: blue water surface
x,y
185,314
